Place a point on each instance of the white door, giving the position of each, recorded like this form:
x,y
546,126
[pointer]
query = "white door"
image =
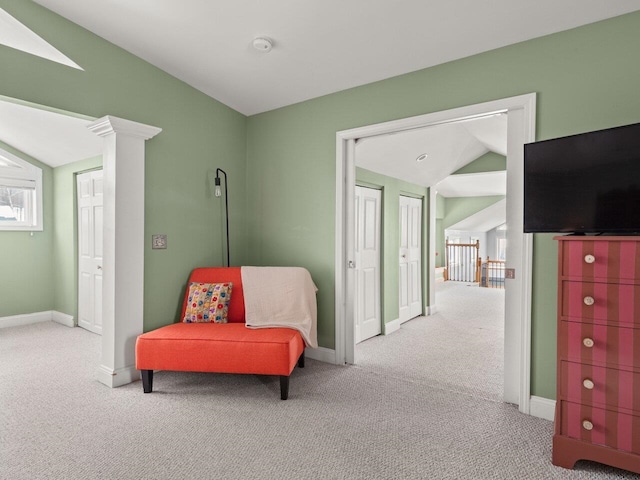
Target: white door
x,y
367,305
90,251
410,281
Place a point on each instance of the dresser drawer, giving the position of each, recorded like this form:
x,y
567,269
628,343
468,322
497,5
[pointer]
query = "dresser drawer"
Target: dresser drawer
x,y
599,344
610,303
600,386
594,259
601,426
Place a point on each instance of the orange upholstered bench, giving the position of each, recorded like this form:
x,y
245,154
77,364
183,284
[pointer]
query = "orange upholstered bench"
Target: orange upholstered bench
x,y
220,347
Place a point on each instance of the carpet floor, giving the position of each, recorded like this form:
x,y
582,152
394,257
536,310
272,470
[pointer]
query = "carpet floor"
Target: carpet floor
x,y
421,403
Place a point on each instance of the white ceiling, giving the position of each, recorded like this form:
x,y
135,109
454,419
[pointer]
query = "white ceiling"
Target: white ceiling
x,y
50,137
449,147
15,35
320,47
473,185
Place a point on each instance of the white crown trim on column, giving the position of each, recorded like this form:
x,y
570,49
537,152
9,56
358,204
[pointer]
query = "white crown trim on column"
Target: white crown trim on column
x,y
109,124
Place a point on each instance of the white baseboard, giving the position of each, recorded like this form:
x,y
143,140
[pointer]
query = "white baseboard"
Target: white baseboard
x,y
63,319
321,354
117,378
542,408
37,317
392,326
431,309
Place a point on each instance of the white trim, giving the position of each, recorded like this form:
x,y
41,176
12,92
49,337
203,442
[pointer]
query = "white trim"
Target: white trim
x,y
123,243
432,310
542,408
392,326
117,378
25,319
37,317
108,125
63,319
321,354
523,106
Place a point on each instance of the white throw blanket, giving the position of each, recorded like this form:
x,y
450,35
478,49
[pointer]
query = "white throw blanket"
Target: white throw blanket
x,y
281,297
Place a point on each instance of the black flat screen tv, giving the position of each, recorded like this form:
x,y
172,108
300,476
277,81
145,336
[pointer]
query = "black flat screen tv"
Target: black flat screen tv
x,y
584,184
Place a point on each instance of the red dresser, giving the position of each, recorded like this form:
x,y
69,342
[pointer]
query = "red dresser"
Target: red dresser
x,y
598,386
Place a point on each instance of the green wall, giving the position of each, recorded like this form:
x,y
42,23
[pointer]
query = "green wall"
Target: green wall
x,y
26,258
459,208
198,135
392,188
281,164
65,237
586,79
489,162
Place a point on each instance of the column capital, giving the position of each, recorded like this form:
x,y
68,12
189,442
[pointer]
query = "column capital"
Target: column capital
x,y
109,124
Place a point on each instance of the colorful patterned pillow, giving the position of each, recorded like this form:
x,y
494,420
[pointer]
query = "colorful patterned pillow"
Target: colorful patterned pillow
x,y
208,302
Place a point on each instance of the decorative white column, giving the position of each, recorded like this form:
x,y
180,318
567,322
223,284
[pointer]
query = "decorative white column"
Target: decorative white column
x,y
431,252
123,261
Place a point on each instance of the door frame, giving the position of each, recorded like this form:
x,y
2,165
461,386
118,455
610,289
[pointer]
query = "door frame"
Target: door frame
x,y
521,112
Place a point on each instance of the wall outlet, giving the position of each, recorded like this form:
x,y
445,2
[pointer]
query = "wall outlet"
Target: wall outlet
x,y
158,242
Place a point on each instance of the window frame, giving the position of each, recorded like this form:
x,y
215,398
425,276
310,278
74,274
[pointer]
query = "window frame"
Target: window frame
x,y
22,174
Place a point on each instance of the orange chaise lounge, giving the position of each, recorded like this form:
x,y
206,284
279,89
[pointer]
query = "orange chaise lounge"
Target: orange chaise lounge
x,y
221,347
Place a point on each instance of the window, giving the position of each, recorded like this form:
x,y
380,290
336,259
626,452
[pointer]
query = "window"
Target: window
x,y
20,194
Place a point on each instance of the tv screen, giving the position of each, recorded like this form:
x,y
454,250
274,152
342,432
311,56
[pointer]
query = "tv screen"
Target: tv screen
x,y
587,183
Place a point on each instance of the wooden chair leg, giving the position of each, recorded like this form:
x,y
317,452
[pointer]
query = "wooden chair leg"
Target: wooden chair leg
x,y
301,360
147,380
284,387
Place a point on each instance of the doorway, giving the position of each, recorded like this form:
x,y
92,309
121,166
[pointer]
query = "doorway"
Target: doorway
x,y
521,129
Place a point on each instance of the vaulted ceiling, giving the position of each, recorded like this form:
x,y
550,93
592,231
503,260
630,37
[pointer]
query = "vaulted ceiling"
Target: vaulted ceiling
x,y
426,156
319,47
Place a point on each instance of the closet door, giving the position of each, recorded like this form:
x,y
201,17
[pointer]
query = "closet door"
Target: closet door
x,y
367,305
410,281
90,251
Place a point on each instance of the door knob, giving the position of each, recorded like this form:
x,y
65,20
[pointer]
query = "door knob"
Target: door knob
x,y
99,267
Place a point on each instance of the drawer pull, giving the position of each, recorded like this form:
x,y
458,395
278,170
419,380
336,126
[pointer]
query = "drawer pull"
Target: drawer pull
x,y
588,342
589,259
588,300
588,384
587,425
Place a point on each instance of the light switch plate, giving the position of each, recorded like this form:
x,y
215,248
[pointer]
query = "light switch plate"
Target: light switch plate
x,y
158,242
510,273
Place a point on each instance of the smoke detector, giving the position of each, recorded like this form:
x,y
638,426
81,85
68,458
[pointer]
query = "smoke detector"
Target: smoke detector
x,y
262,44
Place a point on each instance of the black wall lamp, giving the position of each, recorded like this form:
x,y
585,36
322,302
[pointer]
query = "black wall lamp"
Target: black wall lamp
x,y
218,193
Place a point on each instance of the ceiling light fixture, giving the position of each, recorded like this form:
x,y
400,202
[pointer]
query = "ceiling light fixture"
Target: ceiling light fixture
x,y
421,158
262,44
